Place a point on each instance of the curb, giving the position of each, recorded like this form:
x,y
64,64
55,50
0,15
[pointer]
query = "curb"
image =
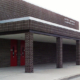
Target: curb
x,y
70,77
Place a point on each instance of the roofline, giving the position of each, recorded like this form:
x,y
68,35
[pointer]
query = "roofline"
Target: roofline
x,y
38,20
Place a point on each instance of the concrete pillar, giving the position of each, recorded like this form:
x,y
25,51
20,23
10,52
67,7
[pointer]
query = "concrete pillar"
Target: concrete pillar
x,y
59,52
77,52
28,52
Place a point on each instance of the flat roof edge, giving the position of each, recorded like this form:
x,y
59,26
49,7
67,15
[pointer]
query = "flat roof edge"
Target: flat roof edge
x,y
38,20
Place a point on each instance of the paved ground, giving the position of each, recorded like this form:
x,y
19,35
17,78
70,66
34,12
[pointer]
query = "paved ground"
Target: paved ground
x,y
76,78
41,72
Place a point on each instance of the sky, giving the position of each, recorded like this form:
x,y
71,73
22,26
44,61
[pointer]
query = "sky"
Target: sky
x,y
68,8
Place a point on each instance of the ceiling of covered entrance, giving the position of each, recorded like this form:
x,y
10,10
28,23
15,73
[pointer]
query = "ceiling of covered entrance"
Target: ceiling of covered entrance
x,y
37,37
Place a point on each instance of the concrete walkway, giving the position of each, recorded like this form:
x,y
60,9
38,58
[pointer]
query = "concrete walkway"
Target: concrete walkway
x,y
41,72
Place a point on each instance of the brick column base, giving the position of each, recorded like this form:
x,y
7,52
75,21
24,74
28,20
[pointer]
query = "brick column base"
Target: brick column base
x,y
59,52
28,52
77,52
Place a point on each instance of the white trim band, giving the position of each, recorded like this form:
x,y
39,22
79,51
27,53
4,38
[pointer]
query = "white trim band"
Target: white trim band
x,y
38,20
14,20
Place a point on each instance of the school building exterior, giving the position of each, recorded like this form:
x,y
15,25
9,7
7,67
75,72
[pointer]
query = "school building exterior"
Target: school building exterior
x,y
31,35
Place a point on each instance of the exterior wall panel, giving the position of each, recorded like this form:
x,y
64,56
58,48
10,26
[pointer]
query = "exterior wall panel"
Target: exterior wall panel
x,y
10,9
15,26
46,53
37,26
43,53
4,53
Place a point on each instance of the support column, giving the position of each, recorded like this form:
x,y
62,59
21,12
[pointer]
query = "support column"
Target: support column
x,y
28,52
59,52
77,52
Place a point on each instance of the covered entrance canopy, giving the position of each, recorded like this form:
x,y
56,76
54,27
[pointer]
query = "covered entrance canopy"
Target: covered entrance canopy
x,y
43,33
48,45
34,32
38,37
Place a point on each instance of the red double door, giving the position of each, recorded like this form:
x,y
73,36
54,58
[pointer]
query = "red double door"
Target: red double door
x,y
14,52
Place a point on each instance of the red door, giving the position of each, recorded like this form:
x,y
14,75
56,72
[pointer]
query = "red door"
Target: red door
x,y
22,53
13,52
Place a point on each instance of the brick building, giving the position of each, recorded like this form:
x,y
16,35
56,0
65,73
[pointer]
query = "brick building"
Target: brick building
x,y
33,35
